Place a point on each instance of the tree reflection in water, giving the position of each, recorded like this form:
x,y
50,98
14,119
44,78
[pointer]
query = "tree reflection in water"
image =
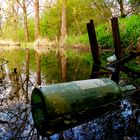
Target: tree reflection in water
x,y
16,119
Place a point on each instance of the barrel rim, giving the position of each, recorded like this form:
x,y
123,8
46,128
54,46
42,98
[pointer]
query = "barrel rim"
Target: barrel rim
x,y
42,108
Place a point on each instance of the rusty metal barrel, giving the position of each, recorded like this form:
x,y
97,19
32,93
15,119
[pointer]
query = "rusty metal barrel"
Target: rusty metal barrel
x,y
61,106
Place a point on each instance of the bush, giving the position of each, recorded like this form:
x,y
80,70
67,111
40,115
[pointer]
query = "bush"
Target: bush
x,y
104,35
80,39
129,32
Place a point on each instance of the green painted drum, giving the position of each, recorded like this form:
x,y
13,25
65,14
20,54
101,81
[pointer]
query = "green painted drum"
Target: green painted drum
x,y
60,106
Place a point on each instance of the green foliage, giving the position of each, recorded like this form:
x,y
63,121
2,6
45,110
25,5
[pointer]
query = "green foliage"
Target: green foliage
x,y
50,23
10,30
16,32
31,29
79,12
80,39
104,35
20,34
130,30
20,31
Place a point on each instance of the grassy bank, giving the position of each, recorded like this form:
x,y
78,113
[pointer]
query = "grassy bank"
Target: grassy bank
x,y
129,32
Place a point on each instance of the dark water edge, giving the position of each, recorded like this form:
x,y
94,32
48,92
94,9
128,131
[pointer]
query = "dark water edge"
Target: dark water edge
x,y
123,124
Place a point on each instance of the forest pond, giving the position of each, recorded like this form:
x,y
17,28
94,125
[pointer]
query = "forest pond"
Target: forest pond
x,y
15,90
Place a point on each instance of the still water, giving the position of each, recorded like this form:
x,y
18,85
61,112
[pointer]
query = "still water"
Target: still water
x,y
15,113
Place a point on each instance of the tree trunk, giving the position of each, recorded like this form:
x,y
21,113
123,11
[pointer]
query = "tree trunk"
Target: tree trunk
x,y
63,29
121,8
37,20
13,16
26,32
23,5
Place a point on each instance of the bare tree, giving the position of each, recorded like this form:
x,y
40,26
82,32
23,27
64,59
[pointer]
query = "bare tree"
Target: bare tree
x,y
120,8
37,19
121,4
63,29
135,5
24,4
13,13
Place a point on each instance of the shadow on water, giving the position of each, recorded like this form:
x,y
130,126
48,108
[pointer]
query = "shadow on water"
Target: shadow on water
x,y
123,124
15,114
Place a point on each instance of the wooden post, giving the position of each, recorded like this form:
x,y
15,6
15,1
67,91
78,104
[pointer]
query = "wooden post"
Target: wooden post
x,y
94,49
38,68
138,50
117,44
27,72
116,37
